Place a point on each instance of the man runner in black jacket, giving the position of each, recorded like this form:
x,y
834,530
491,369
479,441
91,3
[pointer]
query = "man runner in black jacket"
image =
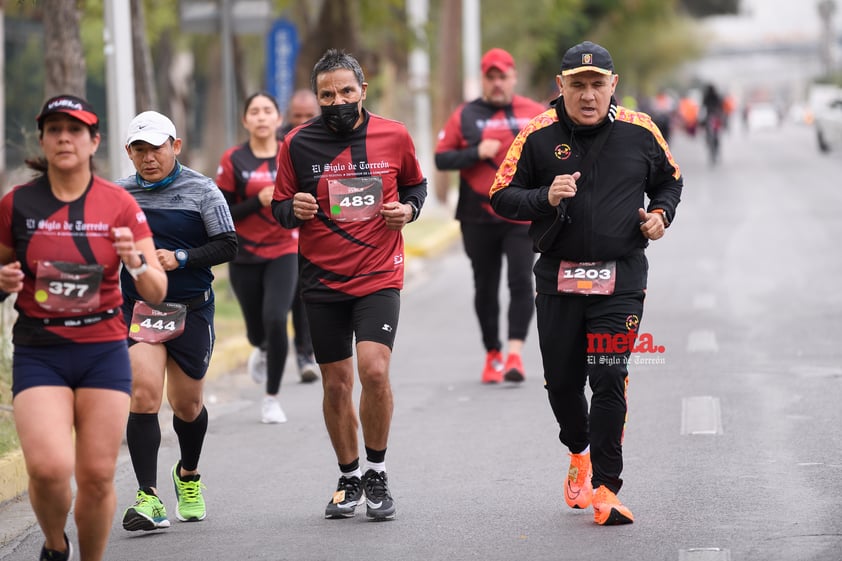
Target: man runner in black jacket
x,y
581,172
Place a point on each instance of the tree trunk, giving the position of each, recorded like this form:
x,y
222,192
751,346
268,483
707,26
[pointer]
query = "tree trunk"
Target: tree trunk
x,y
450,81
64,60
332,27
144,79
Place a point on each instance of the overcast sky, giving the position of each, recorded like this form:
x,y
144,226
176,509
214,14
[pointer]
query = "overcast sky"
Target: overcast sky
x,y
775,20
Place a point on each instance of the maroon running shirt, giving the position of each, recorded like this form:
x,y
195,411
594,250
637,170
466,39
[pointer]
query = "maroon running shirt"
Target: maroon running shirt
x,y
241,176
346,250
44,230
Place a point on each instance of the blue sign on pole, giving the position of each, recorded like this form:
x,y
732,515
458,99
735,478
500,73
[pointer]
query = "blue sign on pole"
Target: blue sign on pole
x,y
281,54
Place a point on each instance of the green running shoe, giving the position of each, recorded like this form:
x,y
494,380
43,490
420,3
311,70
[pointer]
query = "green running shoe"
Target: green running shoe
x,y
191,504
147,513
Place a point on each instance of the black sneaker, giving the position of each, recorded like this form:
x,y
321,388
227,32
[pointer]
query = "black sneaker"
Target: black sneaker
x,y
378,500
349,493
53,555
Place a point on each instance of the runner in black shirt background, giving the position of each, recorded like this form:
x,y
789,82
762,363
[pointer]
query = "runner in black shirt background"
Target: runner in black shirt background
x,y
474,140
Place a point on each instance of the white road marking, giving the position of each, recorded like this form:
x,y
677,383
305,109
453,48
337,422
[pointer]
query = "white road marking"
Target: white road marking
x,y
701,415
704,554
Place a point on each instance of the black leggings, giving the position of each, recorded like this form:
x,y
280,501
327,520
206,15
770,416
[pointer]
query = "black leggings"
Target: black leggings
x,y
265,292
486,244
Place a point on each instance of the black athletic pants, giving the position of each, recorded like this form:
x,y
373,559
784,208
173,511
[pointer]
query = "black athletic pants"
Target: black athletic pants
x,y
485,245
265,292
571,359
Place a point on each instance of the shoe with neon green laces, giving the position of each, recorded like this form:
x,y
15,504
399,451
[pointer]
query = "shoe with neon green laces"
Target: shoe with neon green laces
x,y
188,491
147,513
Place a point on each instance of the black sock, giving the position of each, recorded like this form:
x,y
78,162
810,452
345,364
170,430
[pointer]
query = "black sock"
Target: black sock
x,y
350,468
143,436
191,436
375,456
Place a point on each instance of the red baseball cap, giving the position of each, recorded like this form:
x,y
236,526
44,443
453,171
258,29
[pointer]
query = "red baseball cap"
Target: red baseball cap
x,y
74,106
499,59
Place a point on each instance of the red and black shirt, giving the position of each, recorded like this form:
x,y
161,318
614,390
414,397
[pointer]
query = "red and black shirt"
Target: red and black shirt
x,y
467,126
241,176
346,251
46,232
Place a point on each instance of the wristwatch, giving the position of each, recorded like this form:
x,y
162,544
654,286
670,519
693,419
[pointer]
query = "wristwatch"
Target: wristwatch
x,y
415,211
181,257
137,271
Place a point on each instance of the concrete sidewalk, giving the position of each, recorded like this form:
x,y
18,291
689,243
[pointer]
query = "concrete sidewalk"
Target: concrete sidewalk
x,y
435,232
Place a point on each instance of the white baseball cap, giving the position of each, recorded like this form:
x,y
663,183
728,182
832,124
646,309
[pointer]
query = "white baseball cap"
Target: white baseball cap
x,y
151,127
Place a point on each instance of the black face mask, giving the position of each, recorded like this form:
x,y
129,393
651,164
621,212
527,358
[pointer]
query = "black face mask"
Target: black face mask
x,y
341,118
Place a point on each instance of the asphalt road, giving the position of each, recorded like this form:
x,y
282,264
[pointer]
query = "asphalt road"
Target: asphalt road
x,y
732,450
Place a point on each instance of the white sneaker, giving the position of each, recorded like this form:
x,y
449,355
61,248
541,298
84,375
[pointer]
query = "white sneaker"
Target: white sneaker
x,y
272,412
307,368
257,366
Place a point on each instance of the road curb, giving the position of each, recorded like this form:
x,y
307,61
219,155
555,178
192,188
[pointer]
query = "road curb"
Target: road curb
x,y
13,478
435,243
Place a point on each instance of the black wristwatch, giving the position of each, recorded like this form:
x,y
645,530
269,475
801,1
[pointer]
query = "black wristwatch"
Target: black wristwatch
x,y
181,257
415,211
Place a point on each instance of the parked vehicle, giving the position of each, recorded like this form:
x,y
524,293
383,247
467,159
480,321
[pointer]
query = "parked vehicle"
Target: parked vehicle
x,y
824,102
828,122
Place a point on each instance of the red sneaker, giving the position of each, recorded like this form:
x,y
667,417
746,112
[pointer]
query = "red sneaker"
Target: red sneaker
x,y
608,510
514,369
493,371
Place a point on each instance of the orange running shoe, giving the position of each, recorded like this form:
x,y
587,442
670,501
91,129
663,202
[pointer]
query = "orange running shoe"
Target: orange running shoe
x,y
493,371
514,369
608,510
578,490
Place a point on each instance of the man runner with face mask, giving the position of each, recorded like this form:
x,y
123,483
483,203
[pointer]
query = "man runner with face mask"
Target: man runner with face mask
x,y
350,181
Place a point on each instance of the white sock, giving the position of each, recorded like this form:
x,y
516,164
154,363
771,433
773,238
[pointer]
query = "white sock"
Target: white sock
x,y
585,451
378,467
356,473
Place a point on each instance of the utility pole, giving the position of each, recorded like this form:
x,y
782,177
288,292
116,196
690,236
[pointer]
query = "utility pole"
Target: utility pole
x,y
471,47
827,8
419,82
229,112
117,35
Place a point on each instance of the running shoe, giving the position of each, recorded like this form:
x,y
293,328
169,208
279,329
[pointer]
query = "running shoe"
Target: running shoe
x,y
578,489
191,504
378,500
307,368
271,411
608,510
147,513
493,371
514,369
257,366
53,555
349,493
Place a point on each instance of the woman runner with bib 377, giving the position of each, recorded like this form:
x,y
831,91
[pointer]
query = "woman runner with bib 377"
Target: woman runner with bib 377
x,y
63,238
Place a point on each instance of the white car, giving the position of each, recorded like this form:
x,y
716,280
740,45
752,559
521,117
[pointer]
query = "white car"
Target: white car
x,y
828,121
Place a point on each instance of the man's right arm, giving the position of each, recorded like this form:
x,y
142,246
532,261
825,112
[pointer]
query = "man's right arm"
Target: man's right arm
x,y
457,159
450,150
515,193
285,187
